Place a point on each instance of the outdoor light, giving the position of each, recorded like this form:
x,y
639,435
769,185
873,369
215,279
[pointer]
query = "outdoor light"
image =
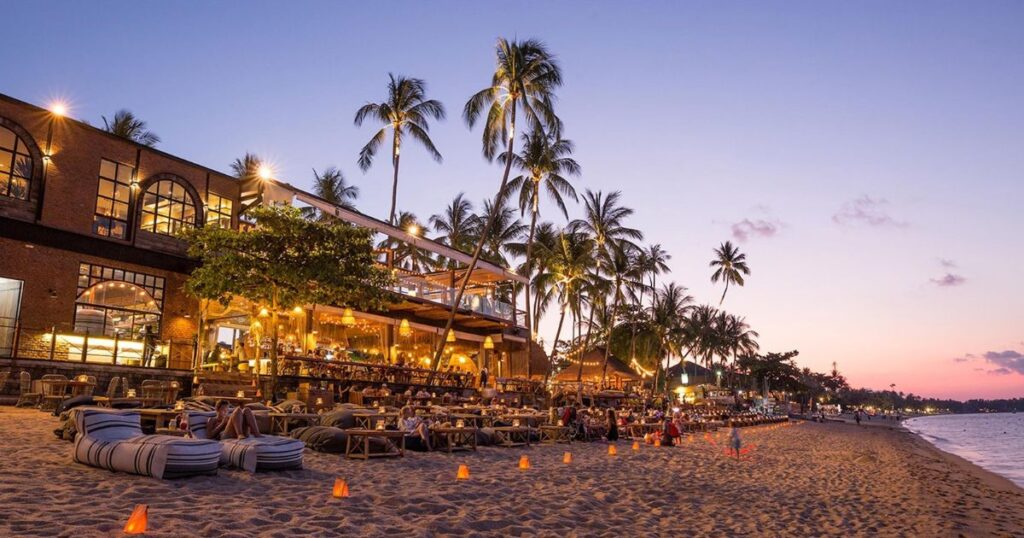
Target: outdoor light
x,y
567,457
297,310
241,394
265,172
488,343
413,229
463,473
137,521
380,424
348,319
450,338
59,109
340,489
524,462
460,423
684,378
264,312
404,329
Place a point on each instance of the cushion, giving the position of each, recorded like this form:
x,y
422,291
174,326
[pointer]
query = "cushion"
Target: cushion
x,y
339,418
264,453
485,436
71,403
322,438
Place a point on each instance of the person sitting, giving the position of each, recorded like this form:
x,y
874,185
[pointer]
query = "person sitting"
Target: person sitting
x,y
669,433
613,426
422,394
417,431
239,423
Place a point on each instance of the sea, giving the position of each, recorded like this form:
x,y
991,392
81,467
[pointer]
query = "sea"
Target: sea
x,y
992,441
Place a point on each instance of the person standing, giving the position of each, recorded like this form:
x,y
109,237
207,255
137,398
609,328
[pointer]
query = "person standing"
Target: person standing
x,y
483,377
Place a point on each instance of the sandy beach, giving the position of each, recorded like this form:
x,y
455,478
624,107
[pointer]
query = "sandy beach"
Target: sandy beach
x,y
802,480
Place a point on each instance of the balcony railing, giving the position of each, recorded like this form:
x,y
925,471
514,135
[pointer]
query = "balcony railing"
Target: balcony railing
x,y
479,300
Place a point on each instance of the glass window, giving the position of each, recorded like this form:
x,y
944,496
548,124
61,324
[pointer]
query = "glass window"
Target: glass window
x,y
218,211
111,217
10,303
167,208
15,166
113,301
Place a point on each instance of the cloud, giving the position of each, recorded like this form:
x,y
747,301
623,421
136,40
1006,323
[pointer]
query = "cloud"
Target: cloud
x,y
1000,371
746,229
960,359
867,211
949,280
1010,361
947,263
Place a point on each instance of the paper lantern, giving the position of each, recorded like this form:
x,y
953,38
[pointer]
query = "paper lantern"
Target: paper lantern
x,y
450,338
131,393
241,394
612,451
488,342
137,521
524,462
636,445
340,488
567,457
463,473
657,442
404,329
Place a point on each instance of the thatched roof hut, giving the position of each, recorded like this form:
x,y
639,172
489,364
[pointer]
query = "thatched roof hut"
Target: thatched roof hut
x,y
618,374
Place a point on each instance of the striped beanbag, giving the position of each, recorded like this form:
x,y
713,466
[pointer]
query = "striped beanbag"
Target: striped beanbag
x,y
113,439
264,453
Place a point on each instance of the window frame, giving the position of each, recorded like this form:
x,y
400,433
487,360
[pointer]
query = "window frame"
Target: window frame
x,y
7,178
176,223
113,201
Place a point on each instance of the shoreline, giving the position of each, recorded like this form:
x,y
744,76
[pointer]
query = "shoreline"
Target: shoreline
x,y
803,480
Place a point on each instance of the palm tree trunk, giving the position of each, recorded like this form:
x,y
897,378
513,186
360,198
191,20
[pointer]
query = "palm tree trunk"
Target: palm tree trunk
x,y
586,343
499,200
529,281
273,346
611,327
554,347
396,155
724,292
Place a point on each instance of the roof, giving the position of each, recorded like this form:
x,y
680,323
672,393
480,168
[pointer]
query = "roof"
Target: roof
x,y
593,361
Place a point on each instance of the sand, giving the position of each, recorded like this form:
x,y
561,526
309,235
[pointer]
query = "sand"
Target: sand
x,y
804,480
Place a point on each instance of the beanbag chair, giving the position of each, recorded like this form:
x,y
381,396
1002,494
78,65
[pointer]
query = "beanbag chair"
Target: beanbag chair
x,y
322,438
339,418
264,453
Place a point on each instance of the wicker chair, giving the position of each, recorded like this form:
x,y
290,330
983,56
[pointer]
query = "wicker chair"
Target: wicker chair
x,y
54,391
27,398
4,376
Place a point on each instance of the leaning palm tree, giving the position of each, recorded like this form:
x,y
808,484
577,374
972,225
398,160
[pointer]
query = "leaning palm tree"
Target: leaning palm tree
x,y
730,266
544,162
406,111
456,225
126,125
525,76
331,187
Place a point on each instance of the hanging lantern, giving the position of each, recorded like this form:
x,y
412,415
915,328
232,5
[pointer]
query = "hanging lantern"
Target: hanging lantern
x,y
450,338
524,462
340,488
404,329
488,343
264,312
567,457
463,473
348,319
137,521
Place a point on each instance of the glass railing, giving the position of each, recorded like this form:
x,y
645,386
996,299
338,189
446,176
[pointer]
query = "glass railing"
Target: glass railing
x,y
480,301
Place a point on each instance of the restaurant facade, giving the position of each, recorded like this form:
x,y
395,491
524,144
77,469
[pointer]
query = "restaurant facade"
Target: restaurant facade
x,y
91,270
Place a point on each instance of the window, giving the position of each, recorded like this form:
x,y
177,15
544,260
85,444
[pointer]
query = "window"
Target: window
x,y
10,303
218,211
117,302
167,208
15,165
111,218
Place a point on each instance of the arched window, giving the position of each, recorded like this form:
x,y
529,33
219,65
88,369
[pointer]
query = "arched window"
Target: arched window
x,y
15,165
113,308
167,208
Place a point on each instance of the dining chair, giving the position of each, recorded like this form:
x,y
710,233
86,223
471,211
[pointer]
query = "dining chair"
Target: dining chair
x,y
26,397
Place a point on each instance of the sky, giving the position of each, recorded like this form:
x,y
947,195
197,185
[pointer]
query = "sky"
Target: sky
x,y
867,157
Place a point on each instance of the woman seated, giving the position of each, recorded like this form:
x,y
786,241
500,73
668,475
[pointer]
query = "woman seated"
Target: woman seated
x,y
417,431
669,433
238,424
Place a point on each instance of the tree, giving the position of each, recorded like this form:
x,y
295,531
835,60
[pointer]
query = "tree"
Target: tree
x,y
403,254
620,264
506,229
730,266
127,126
651,262
526,75
568,264
330,186
455,225
604,219
247,167
286,261
544,161
406,111
668,314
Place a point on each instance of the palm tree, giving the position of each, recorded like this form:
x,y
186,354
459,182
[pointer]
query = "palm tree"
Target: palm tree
x,y
730,266
405,111
126,125
652,262
738,338
247,168
619,262
668,314
544,161
526,75
331,187
506,229
603,218
403,254
568,264
456,225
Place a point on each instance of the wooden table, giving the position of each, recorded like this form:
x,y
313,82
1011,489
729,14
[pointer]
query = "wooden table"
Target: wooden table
x,y
160,417
639,429
510,436
79,387
529,420
368,419
358,444
550,433
454,439
280,422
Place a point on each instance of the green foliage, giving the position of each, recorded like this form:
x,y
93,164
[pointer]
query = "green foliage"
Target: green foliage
x,y
287,260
